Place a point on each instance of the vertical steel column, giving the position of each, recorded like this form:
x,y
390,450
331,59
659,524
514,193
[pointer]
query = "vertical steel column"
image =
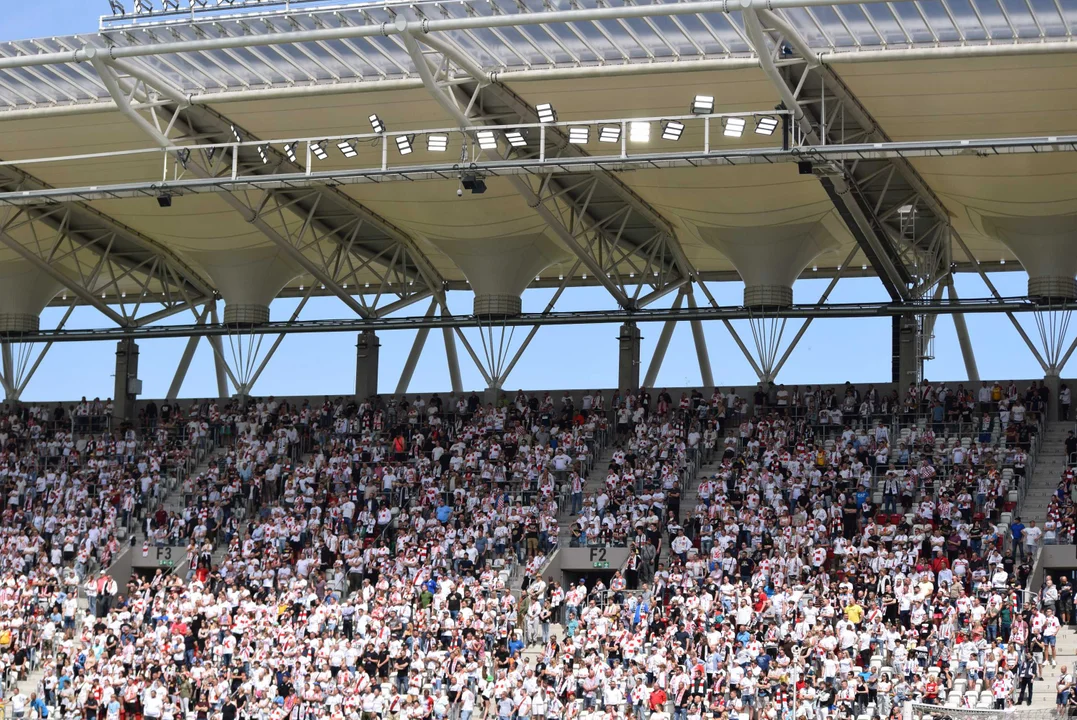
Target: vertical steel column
x,y
700,339
628,357
663,345
367,352
126,390
963,338
416,352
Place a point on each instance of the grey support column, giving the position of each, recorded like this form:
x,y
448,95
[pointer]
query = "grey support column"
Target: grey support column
x,y
128,386
906,349
366,365
628,357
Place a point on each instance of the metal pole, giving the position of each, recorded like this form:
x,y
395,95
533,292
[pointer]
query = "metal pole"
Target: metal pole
x,y
662,346
223,373
963,336
416,351
705,373
822,299
185,359
277,342
994,291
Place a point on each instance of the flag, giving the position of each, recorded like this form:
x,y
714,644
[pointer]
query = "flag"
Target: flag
x,y
145,549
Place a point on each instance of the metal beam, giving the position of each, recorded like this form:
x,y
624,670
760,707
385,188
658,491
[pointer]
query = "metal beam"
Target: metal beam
x,y
416,351
219,363
662,345
851,152
188,355
705,373
963,338
723,313
54,272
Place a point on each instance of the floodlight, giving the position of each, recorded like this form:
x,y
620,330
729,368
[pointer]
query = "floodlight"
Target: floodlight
x,y
235,134
318,149
703,105
437,143
183,156
289,150
403,144
734,127
377,124
672,129
546,113
487,139
347,149
609,133
262,154
639,131
766,125
117,7
515,138
143,6
579,135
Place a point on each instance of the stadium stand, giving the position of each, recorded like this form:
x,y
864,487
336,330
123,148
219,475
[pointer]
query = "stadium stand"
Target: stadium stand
x,y
393,557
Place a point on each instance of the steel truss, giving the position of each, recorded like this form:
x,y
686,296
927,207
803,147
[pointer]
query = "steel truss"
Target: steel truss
x,y
900,224
338,242
128,277
613,231
704,313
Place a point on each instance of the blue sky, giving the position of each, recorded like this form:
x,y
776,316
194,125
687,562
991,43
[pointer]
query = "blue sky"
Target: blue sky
x,y
831,351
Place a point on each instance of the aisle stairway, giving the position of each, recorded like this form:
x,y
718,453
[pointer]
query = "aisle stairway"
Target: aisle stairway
x,y
1050,462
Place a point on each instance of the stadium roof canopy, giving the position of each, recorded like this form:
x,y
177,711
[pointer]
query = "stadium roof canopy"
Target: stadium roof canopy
x,y
154,160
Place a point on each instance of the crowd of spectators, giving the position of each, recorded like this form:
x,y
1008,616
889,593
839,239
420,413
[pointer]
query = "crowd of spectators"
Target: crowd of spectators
x,y
385,559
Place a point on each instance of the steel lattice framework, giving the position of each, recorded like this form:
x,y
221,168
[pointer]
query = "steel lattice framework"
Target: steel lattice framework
x,y
177,74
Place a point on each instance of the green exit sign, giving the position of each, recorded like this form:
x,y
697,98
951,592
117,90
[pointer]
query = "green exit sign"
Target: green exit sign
x,y
168,563
600,565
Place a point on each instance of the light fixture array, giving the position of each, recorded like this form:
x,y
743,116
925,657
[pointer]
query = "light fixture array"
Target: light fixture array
x,y
638,131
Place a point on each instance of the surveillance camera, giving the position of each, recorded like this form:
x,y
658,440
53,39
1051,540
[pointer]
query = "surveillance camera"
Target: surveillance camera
x,y
459,192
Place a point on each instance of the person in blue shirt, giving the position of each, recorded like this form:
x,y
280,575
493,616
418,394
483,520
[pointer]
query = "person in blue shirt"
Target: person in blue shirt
x,y
38,704
444,513
515,646
1017,529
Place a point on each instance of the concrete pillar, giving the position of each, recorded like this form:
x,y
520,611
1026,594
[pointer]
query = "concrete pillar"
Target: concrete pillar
x,y
128,386
628,357
907,366
1054,386
366,365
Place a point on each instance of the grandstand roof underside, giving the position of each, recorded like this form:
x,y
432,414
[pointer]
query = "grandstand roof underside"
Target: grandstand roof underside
x,y
952,98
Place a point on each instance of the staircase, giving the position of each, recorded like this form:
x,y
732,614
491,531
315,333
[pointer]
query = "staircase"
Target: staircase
x,y
1050,462
1043,695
